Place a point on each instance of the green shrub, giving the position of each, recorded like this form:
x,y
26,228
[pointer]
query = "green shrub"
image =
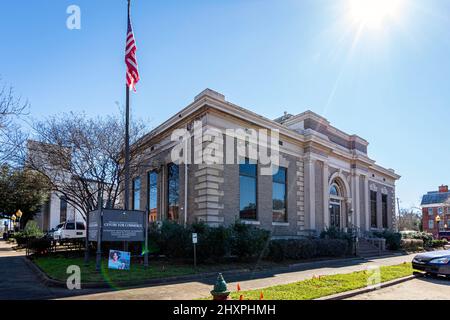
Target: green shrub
x,y
412,244
426,237
332,247
393,239
21,238
213,243
438,243
32,230
247,241
39,245
335,233
301,249
174,240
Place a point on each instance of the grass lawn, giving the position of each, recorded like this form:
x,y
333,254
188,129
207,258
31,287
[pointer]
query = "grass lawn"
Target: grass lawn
x,y
56,266
325,285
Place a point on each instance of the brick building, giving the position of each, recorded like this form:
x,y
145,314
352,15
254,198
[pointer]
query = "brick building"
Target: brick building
x,y
434,204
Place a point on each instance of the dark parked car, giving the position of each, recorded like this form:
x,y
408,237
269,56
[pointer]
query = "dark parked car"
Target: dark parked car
x,y
444,235
434,262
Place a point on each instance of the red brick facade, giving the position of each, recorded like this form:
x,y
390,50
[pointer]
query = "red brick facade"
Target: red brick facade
x,y
436,204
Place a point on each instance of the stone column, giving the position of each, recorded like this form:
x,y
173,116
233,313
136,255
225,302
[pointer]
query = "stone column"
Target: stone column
x,y
357,202
366,202
310,192
300,197
326,195
379,209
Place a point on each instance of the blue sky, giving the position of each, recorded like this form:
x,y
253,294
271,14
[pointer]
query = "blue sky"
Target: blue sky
x,y
390,85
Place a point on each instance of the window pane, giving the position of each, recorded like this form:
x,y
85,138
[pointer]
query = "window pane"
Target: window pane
x,y
153,195
247,197
334,191
63,209
373,209
173,198
280,176
70,226
385,210
279,202
248,169
137,194
80,226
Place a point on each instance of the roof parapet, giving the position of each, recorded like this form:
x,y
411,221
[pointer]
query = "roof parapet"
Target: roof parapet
x,y
210,93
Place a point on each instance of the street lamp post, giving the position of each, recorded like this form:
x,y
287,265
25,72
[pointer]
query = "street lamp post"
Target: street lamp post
x,y
19,216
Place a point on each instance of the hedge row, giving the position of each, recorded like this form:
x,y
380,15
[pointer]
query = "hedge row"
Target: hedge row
x,y
412,244
246,242
300,249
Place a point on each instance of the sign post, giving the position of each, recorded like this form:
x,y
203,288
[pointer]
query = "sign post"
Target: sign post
x,y
146,238
195,241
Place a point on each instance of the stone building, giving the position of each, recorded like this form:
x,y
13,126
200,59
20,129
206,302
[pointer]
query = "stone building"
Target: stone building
x,y
323,177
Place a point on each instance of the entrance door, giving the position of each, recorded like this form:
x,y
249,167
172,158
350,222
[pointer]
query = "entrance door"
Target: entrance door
x,y
335,214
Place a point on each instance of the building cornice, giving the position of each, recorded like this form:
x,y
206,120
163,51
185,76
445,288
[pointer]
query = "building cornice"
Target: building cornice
x,y
211,99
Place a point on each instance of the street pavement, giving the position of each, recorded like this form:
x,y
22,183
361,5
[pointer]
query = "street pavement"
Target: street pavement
x,y
18,281
417,289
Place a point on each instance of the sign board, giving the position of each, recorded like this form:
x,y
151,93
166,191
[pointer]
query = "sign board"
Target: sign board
x,y
119,260
94,222
194,238
117,225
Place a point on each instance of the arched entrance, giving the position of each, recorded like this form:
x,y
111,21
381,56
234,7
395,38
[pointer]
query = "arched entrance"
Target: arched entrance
x,y
336,205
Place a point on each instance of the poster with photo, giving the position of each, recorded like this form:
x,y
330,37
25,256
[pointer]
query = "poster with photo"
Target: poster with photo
x,y
119,260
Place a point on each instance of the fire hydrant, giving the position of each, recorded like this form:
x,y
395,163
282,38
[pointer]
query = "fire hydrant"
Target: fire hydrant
x,y
220,291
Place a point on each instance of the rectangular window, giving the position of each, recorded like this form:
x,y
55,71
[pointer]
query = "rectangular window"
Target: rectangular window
x,y
373,209
247,188
70,226
81,226
384,207
430,224
430,211
279,187
62,209
153,195
137,194
173,198
440,210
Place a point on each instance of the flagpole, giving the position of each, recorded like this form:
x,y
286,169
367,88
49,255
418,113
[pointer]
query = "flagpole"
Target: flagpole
x,y
127,142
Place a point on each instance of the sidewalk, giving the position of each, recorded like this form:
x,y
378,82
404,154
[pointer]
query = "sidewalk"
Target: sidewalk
x,y
19,282
258,280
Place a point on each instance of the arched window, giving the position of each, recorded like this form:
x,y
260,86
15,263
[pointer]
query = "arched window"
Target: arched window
x,y
334,190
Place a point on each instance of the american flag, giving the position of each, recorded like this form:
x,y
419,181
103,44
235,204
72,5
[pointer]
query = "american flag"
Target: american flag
x,y
130,58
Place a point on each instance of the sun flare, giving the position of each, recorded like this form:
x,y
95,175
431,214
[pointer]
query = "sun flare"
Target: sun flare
x,y
374,13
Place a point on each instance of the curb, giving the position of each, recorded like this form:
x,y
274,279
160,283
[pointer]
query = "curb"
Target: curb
x,y
357,292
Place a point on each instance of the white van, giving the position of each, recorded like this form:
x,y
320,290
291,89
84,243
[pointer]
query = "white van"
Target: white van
x,y
70,230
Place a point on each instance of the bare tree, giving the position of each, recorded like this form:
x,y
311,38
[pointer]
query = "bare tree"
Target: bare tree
x,y
81,156
11,137
409,220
